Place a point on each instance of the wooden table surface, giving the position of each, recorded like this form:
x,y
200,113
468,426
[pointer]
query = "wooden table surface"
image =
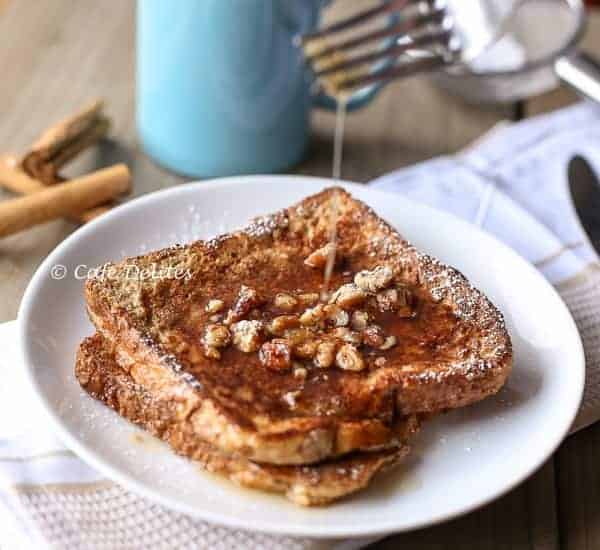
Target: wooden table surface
x,y
57,54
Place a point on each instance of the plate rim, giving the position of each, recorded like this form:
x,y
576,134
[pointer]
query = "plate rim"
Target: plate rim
x,y
96,460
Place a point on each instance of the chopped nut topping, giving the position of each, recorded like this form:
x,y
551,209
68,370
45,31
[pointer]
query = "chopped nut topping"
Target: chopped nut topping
x,y
372,281
348,358
247,335
246,301
319,257
387,299
373,336
300,372
360,320
390,342
276,355
348,295
212,353
325,354
282,323
214,306
399,299
216,336
380,361
290,398
347,335
297,336
337,315
327,331
255,313
285,302
405,296
306,350
308,298
406,302
313,315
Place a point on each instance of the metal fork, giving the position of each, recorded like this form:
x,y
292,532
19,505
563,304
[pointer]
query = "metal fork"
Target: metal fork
x,y
417,36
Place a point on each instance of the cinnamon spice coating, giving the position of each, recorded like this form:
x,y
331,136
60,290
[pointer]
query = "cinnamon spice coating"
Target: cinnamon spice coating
x,y
452,350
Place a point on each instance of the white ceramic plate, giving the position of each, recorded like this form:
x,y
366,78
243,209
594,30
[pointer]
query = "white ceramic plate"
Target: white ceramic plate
x,y
461,460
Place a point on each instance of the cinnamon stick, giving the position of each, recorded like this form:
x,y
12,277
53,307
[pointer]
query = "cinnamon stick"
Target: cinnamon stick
x,y
63,199
63,141
16,180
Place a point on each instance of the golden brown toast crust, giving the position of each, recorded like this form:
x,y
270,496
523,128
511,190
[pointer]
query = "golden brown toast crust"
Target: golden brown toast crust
x,y
455,352
100,375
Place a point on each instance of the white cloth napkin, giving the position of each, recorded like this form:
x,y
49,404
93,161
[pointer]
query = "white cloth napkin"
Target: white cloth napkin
x,y
513,184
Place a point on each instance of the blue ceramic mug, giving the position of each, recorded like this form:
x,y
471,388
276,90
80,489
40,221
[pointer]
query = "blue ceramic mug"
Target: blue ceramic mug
x,y
221,88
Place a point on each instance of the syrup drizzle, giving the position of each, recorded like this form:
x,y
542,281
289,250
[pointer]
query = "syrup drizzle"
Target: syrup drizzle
x,y
330,84
338,146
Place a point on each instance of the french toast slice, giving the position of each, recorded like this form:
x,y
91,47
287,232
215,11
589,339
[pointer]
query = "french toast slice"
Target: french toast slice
x,y
254,389
100,375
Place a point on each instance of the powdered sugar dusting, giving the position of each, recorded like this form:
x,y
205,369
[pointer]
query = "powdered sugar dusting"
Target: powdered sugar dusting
x,y
266,225
171,362
491,345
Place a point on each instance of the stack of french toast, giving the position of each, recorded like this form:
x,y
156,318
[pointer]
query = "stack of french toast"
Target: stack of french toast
x,y
245,363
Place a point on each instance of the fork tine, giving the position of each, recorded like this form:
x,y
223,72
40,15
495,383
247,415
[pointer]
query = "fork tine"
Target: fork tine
x,y
400,70
409,22
387,7
436,34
